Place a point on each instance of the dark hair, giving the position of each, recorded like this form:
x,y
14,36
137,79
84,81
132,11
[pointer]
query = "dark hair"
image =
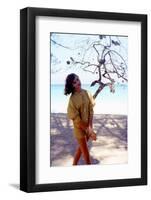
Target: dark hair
x,y
68,84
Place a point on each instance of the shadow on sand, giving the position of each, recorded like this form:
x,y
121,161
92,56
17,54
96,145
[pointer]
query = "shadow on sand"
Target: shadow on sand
x,y
111,137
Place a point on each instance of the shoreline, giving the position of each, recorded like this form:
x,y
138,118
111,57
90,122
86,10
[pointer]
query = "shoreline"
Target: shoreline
x,y
95,113
62,113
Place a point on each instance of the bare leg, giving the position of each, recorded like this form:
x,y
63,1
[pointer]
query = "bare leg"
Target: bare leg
x,y
78,154
84,150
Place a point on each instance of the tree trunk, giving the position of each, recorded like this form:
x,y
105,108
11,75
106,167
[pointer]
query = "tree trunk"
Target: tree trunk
x,y
102,85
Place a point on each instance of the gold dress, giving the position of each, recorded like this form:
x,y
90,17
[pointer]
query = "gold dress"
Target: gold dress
x,y
80,109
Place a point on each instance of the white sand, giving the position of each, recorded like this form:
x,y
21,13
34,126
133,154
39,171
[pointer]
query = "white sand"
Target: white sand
x,y
109,148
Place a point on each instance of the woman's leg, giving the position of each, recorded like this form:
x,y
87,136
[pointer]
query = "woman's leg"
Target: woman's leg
x,y
84,149
78,154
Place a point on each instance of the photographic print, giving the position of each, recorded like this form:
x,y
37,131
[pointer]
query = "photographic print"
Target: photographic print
x,y
89,99
83,99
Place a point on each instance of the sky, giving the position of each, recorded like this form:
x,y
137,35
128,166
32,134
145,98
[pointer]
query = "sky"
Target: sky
x,y
65,46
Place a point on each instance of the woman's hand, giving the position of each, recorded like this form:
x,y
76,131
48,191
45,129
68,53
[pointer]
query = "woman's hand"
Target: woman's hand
x,y
91,133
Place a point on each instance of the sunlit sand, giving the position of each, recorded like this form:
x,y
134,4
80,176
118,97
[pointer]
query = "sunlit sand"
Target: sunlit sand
x,y
109,148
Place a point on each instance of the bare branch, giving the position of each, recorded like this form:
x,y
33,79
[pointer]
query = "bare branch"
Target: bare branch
x,y
96,49
113,51
60,44
116,71
107,61
100,88
84,63
85,68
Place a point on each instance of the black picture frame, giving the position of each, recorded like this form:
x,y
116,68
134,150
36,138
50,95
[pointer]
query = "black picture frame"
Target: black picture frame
x,y
28,99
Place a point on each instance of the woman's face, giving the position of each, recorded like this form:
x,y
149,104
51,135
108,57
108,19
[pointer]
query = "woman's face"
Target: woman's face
x,y
77,83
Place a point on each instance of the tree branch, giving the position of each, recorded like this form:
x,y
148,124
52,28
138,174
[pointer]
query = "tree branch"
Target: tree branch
x,y
59,44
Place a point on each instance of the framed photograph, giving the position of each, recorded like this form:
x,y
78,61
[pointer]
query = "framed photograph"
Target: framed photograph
x,y
83,99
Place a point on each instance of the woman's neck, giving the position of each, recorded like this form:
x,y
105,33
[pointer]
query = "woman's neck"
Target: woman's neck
x,y
78,90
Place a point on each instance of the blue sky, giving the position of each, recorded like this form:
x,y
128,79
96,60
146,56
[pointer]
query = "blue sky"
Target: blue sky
x,y
79,47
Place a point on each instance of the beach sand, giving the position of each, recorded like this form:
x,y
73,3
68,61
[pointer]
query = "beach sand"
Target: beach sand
x,y
109,148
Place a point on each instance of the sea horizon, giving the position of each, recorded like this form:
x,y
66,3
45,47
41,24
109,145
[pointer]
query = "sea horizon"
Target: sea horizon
x,y
106,102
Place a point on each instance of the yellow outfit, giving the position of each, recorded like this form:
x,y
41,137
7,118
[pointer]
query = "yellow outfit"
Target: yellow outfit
x,y
80,108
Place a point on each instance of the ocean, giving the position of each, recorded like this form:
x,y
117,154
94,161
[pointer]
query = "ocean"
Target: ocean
x,y
106,102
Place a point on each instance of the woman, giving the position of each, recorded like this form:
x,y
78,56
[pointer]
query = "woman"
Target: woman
x,y
80,111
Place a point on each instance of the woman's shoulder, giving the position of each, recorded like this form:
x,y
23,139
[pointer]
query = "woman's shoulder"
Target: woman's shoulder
x,y
75,96
72,96
87,92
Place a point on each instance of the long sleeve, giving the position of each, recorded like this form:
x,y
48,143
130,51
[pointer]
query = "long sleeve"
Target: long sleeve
x,y
74,115
73,112
92,103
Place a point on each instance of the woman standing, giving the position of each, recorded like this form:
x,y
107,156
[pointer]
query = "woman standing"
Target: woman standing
x,y
80,111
